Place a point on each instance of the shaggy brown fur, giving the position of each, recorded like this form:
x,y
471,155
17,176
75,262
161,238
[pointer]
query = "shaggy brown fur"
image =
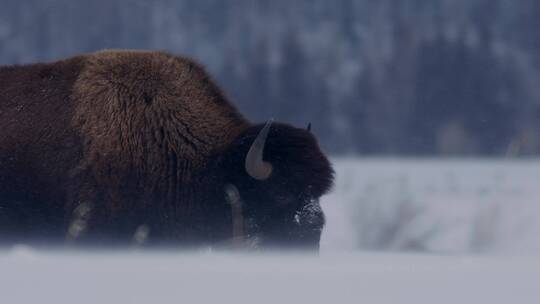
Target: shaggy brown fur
x,y
139,136
38,145
149,122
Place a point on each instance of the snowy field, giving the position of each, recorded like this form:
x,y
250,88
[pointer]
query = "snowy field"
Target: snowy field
x,y
29,277
441,206
399,231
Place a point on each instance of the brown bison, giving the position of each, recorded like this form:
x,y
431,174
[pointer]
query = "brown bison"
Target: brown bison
x,y
98,148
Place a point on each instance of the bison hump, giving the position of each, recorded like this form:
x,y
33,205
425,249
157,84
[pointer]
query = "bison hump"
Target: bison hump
x,y
148,107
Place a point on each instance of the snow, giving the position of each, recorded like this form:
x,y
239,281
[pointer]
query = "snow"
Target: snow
x,y
29,277
449,206
483,249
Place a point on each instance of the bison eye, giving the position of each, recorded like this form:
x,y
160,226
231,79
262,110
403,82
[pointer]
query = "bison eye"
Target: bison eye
x,y
147,98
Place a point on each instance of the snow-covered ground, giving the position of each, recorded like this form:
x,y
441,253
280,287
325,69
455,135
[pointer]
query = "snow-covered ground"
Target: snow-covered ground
x,y
30,277
469,228
445,206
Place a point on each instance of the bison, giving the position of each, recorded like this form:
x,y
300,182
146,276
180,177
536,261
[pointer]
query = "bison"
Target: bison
x,y
116,146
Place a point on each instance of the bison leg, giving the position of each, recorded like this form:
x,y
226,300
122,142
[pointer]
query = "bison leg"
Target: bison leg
x,y
26,222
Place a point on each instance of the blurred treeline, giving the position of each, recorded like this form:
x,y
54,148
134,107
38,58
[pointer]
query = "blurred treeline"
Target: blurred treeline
x,y
415,77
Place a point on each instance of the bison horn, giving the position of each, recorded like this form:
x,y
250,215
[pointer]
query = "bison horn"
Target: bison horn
x,y
255,166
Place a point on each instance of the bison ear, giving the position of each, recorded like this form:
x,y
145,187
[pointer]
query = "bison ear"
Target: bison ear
x,y
308,127
255,166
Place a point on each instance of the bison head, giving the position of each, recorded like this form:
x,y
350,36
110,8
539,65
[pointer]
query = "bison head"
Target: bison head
x,y
275,176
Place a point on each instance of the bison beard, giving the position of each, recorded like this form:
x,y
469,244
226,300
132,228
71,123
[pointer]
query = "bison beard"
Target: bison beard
x,y
119,147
